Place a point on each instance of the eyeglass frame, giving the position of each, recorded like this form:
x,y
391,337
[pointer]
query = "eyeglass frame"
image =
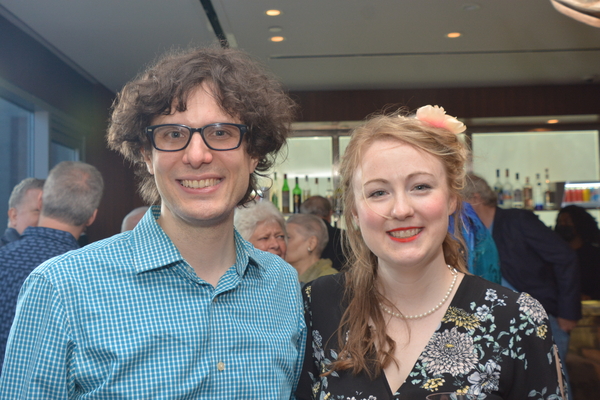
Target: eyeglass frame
x,y
150,134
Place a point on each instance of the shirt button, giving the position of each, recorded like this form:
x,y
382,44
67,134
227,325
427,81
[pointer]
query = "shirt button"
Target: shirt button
x,y
220,365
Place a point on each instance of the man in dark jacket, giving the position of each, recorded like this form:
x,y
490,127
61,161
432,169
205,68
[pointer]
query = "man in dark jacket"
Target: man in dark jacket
x,y
533,259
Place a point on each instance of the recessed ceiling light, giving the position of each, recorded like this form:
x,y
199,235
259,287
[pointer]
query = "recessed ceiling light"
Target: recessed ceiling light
x,y
273,13
471,7
275,29
453,35
277,39
552,121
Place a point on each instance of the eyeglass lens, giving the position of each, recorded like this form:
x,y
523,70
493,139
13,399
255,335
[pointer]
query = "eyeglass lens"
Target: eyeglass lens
x,y
216,136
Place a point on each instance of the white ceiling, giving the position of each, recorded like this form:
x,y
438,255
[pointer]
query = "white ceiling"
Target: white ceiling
x,y
330,44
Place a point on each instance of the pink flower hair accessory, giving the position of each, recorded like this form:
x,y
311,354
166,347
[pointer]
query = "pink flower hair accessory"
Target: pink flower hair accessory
x,y
436,116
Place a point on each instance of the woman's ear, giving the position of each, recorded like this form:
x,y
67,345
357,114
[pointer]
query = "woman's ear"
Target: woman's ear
x,y
312,243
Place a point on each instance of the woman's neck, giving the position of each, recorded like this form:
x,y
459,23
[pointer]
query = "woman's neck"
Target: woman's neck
x,y
303,265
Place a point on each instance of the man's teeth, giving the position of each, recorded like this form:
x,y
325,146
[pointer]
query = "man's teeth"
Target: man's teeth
x,y
405,233
199,184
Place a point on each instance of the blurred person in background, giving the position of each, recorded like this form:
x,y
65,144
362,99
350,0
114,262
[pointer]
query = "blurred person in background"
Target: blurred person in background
x,y
533,259
307,237
23,208
263,225
69,205
580,230
132,219
321,207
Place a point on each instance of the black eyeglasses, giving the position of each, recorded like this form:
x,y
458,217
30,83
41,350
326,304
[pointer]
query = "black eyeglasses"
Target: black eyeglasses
x,y
176,137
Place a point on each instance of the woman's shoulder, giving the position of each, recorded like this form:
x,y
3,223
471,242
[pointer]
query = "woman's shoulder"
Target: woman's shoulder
x,y
482,295
325,295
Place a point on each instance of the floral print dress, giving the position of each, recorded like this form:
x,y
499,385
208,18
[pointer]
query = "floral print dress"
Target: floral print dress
x,y
492,343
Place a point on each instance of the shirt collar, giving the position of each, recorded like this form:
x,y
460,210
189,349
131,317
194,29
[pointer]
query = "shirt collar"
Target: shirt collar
x,y
153,249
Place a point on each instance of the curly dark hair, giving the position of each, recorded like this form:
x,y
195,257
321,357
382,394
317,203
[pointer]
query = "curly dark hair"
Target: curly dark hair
x,y
243,89
585,223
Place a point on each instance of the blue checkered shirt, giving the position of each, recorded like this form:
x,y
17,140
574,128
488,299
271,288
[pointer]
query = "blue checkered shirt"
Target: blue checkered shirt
x,y
127,317
17,260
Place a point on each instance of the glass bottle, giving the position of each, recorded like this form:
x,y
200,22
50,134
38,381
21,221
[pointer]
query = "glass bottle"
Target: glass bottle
x,y
306,188
498,189
517,193
548,194
285,196
538,194
317,192
507,192
527,195
297,192
274,196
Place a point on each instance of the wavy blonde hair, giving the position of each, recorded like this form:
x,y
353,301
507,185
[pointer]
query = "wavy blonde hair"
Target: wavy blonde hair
x,y
361,295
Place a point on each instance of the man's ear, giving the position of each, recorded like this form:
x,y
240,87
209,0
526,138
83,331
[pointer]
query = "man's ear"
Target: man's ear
x,y
91,220
12,217
148,160
39,201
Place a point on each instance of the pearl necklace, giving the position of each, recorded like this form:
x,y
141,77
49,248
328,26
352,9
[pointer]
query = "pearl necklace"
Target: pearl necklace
x,y
434,309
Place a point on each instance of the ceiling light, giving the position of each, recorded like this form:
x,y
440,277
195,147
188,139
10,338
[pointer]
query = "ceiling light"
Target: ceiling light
x,y
453,35
273,13
552,121
277,39
471,7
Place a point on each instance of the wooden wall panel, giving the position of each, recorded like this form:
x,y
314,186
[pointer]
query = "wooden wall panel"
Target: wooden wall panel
x,y
462,102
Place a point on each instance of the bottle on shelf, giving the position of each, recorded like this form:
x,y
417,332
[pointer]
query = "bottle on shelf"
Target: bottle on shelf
x,y
498,189
316,190
329,192
274,196
507,192
538,194
548,194
517,193
297,192
306,192
527,195
285,196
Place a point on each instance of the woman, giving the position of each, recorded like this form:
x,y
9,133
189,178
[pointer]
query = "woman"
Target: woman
x,y
307,237
578,228
405,321
263,225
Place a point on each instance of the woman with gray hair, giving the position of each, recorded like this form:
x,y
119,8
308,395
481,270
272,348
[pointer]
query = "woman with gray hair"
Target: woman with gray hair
x,y
307,237
263,225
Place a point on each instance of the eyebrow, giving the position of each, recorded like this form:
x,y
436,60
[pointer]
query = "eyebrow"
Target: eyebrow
x,y
383,180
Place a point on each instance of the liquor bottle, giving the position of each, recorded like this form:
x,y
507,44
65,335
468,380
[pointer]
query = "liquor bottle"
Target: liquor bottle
x,y
297,192
527,195
274,196
329,192
548,194
285,196
498,189
507,192
316,190
517,193
538,194
306,189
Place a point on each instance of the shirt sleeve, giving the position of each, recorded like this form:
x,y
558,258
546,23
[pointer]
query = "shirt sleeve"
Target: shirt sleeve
x,y
553,250
39,348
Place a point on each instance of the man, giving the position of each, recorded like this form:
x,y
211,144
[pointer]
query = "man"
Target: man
x,y
71,196
533,259
132,219
321,207
181,306
23,208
